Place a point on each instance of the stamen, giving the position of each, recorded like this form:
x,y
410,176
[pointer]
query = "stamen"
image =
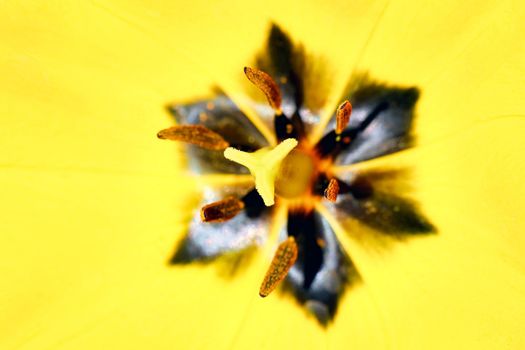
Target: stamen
x,y
263,165
196,135
340,138
267,85
332,190
343,116
222,210
283,260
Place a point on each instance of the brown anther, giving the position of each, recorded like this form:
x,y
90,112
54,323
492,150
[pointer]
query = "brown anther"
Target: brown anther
x,y
282,261
196,135
332,190
343,116
222,210
267,85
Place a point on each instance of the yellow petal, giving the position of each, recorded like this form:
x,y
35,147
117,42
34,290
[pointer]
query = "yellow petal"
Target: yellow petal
x,y
466,57
467,280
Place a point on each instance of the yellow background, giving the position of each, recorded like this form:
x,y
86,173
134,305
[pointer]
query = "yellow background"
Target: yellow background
x,y
92,203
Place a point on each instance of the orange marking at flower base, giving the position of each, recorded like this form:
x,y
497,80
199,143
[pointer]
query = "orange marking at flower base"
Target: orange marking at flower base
x,y
222,210
343,116
283,260
332,190
267,85
196,135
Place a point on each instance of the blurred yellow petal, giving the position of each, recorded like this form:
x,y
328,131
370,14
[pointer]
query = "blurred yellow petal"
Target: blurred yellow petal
x,y
466,282
468,59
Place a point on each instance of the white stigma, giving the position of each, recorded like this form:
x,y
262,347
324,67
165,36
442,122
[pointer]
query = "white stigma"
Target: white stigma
x,y
263,165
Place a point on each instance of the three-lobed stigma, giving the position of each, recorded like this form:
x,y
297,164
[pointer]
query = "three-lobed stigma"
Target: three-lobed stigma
x,y
263,165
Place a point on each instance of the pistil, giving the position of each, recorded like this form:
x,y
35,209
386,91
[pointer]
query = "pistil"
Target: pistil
x,y
263,165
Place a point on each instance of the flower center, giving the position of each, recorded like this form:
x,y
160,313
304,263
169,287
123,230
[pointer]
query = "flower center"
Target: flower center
x,y
295,175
